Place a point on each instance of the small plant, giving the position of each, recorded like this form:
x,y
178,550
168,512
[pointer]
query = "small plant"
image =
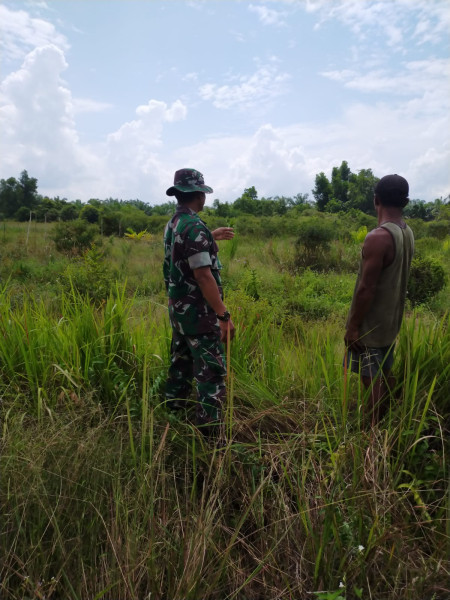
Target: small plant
x,y
141,235
427,278
252,283
360,235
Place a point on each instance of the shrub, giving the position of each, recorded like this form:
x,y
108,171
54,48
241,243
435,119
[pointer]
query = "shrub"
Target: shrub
x,y
313,242
360,235
439,229
157,223
69,212
89,276
419,228
90,213
427,278
23,214
426,246
74,236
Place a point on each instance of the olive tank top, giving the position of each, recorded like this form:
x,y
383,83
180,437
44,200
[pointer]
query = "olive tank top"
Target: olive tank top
x,y
381,325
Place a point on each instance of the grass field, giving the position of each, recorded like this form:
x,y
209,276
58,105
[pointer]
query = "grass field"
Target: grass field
x,y
106,495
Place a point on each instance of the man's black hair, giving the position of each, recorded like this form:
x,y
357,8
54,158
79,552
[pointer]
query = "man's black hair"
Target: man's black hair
x,y
393,198
392,190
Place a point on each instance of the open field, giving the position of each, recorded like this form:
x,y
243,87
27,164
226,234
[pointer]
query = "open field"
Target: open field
x,y
106,495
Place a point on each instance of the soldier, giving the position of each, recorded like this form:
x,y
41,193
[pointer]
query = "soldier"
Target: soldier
x,y
379,298
199,318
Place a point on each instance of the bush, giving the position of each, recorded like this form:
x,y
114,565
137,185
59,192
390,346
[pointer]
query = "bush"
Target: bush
x,y
313,243
157,223
439,229
426,246
69,212
426,279
90,213
419,228
74,236
22,214
90,276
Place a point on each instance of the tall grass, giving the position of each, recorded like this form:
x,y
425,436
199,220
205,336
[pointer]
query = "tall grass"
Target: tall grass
x,y
106,495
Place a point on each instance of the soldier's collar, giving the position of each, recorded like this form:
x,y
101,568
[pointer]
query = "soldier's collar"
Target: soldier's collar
x,y
185,209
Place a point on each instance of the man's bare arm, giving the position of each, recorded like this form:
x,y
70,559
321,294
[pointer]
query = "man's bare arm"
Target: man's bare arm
x,y
378,244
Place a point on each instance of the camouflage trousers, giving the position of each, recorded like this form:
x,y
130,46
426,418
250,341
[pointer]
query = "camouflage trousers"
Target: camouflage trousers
x,y
201,358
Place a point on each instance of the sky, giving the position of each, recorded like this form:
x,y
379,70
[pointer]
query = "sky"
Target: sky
x,y
108,98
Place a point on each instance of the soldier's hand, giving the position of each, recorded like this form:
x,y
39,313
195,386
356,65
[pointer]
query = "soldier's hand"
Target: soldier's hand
x,y
223,233
224,325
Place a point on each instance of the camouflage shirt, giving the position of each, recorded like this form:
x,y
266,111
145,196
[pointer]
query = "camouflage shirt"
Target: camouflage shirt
x,y
188,245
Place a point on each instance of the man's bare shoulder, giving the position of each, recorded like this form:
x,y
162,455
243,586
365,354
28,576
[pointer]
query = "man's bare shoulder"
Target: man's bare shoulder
x,y
378,241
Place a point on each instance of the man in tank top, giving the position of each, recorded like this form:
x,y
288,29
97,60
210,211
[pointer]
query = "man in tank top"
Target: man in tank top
x,y
379,298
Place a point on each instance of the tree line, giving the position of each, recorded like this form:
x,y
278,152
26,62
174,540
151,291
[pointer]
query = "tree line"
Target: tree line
x,y
344,191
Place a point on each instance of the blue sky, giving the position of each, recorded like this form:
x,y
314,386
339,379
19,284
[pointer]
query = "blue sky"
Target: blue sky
x,y
107,98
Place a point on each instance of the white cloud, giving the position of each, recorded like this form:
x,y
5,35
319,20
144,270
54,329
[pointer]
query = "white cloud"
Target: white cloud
x,y
84,105
193,77
416,79
133,162
132,152
19,33
146,131
39,132
386,19
284,161
263,85
36,116
268,16
137,160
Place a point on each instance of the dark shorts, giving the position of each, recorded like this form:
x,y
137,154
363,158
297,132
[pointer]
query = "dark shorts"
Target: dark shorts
x,y
370,362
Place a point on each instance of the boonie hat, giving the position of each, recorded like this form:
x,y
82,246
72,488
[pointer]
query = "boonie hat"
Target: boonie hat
x,y
188,180
392,183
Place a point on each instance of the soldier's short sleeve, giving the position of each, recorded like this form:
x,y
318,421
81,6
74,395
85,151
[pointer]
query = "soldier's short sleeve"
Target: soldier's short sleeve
x,y
202,259
197,246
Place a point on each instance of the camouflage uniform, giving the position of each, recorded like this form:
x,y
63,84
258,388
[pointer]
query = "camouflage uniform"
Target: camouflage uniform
x,y
196,348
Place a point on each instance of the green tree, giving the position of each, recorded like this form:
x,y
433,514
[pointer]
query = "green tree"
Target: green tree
x,y
248,202
168,208
17,193
298,200
222,209
28,186
361,189
11,195
322,191
69,212
90,213
47,210
340,177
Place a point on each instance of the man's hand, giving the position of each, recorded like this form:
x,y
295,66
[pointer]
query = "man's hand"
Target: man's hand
x,y
352,341
223,233
224,325
210,291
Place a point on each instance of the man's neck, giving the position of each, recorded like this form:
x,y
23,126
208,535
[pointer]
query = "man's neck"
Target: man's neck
x,y
389,214
191,205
